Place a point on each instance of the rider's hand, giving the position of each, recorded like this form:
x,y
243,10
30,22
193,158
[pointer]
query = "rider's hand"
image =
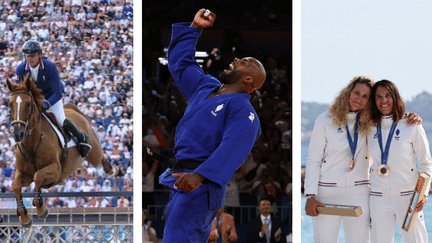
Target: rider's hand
x,y
46,105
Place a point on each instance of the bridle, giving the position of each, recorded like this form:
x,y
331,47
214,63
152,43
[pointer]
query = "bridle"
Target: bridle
x,y
26,122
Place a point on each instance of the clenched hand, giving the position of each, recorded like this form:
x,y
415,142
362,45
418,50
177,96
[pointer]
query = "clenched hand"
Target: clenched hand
x,y
203,19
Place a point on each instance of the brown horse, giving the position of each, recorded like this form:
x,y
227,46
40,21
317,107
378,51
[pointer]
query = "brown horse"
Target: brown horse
x,y
39,153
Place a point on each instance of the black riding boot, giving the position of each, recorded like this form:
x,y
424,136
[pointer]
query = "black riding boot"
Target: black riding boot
x,y
83,146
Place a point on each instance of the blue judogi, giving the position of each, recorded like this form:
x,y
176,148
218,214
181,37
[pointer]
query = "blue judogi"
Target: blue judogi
x,y
48,79
219,132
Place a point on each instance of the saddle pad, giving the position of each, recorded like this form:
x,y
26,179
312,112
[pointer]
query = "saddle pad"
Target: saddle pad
x,y
59,134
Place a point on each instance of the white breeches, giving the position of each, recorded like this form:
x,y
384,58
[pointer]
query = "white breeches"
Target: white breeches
x,y
59,113
386,211
356,229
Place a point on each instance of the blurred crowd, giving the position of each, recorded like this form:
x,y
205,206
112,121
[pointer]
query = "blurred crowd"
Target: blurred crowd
x,y
91,44
245,14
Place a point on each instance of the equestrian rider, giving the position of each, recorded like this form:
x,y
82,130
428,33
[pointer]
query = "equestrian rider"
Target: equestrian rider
x,y
46,77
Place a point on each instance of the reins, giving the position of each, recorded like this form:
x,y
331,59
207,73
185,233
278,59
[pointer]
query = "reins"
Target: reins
x,y
28,131
32,158
25,123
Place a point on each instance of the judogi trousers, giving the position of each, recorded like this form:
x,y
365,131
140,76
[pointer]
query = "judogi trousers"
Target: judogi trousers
x,y
357,229
386,211
189,215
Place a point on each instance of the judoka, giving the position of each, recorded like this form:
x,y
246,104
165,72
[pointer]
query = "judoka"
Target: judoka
x,y
214,137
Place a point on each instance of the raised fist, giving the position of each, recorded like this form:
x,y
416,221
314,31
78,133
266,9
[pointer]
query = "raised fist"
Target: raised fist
x,y
203,19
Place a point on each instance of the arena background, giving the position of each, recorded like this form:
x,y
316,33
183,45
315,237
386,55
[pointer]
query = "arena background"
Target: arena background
x,y
261,29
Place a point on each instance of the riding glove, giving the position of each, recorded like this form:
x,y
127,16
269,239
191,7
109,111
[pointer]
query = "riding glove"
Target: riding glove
x,y
46,105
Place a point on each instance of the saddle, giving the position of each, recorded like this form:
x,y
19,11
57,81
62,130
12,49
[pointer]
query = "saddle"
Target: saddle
x,y
65,138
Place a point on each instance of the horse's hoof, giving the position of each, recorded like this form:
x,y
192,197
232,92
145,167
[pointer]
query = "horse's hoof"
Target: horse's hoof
x,y
44,215
28,224
114,170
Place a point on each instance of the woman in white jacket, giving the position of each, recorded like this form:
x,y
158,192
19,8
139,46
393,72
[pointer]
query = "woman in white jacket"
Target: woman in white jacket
x,y
394,146
337,169
338,163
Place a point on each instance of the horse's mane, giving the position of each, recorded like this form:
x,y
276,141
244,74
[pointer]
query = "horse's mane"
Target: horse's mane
x,y
37,95
34,90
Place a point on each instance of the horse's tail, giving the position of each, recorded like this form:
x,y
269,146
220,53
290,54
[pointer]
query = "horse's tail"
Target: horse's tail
x,y
75,108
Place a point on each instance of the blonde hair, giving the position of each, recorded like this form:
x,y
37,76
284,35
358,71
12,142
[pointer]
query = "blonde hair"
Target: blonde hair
x,y
340,107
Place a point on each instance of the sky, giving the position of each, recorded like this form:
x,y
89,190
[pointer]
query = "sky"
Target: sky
x,y
381,39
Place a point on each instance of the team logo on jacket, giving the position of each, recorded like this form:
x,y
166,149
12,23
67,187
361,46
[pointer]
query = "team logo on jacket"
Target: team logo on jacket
x,y
340,130
251,117
397,135
218,108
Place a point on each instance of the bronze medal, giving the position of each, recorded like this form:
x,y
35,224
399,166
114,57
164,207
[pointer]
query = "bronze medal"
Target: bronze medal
x,y
351,164
383,170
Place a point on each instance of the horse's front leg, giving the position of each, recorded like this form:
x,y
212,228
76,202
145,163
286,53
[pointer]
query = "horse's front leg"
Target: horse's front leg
x,y
109,168
19,182
46,176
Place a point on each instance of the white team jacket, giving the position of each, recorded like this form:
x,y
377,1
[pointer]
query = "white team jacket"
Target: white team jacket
x,y
329,156
408,143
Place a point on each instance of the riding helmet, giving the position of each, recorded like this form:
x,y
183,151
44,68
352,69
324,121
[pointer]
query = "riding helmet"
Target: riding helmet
x,y
31,48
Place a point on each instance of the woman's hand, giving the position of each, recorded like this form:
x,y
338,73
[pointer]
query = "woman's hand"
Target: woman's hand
x,y
311,206
413,118
420,205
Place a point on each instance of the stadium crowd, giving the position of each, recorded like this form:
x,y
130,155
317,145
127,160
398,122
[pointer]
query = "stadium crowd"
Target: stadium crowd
x,y
91,44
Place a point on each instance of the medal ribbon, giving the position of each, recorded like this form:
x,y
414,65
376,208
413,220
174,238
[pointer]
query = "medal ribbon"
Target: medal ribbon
x,y
353,144
385,153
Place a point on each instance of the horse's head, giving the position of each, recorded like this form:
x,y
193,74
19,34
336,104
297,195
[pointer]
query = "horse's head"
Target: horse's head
x,y
25,105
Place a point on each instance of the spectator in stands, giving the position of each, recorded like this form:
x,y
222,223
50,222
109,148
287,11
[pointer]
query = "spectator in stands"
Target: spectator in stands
x,y
8,170
275,168
149,168
92,203
223,228
247,175
80,202
123,202
70,202
266,228
266,187
149,234
214,65
116,153
127,185
106,187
